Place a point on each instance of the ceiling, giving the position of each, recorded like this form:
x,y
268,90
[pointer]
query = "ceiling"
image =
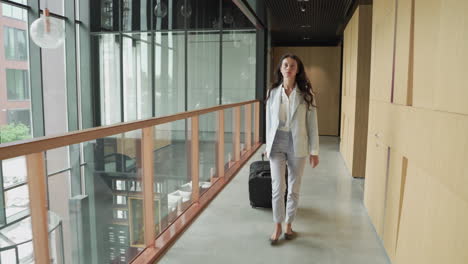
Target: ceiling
x,y
308,22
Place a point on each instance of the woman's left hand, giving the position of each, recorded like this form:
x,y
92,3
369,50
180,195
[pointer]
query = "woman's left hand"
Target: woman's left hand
x,y
314,160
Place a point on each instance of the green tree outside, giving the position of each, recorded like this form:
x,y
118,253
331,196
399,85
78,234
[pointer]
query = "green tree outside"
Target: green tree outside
x,y
13,132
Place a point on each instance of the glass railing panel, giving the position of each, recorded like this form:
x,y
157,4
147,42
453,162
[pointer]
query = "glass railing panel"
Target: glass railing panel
x,y
172,177
14,171
57,160
57,249
18,236
15,229
207,150
110,213
228,137
95,191
7,255
16,203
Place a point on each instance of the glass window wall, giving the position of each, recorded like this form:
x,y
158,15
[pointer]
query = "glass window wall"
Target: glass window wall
x,y
130,60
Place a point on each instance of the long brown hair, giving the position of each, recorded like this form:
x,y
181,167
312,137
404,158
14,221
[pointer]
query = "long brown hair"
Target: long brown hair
x,y
303,82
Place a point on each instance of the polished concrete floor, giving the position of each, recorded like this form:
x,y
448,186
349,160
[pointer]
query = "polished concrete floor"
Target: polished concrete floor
x,y
332,222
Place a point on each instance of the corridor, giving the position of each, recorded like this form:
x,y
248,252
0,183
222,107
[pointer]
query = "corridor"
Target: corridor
x,y
332,222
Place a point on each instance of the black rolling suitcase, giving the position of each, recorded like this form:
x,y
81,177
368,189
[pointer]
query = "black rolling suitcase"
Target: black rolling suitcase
x,y
260,184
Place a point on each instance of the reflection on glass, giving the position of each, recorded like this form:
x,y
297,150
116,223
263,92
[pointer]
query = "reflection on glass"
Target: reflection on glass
x,y
14,171
105,15
134,15
54,91
16,201
120,199
169,73
228,137
19,236
199,14
207,150
160,9
173,184
58,188
203,69
7,256
113,180
239,50
166,16
233,18
242,130
136,79
109,71
57,159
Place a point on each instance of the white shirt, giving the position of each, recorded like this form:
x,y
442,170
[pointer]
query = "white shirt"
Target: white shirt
x,y
285,109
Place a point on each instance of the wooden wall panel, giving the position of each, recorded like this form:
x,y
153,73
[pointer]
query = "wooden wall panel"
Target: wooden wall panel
x,y
361,108
402,51
323,68
441,54
347,106
426,212
415,209
355,96
427,56
376,184
392,206
348,98
433,224
450,152
382,49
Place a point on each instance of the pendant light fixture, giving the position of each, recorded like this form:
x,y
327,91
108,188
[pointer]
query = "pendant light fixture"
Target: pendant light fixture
x,y
47,32
160,10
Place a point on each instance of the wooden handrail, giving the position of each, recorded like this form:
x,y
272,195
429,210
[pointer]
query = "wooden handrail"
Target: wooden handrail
x,y
24,147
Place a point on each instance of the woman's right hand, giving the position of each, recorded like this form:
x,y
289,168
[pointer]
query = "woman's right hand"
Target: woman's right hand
x,y
314,160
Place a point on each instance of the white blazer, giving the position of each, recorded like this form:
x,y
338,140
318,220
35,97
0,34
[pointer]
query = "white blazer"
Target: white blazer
x,y
303,124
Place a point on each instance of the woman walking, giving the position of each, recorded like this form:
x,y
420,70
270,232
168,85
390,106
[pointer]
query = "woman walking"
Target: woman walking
x,y
291,138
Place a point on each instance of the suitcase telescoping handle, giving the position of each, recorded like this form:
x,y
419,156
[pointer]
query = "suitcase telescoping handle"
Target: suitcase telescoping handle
x,y
264,174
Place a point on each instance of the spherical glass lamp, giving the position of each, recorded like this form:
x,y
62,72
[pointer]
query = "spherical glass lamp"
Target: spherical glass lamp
x,y
228,18
186,10
47,32
160,10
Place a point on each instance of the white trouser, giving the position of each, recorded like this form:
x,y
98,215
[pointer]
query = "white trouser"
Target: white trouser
x,y
282,153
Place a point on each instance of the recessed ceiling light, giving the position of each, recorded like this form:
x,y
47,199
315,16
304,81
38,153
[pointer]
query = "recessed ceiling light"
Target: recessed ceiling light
x,y
303,8
306,38
305,26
